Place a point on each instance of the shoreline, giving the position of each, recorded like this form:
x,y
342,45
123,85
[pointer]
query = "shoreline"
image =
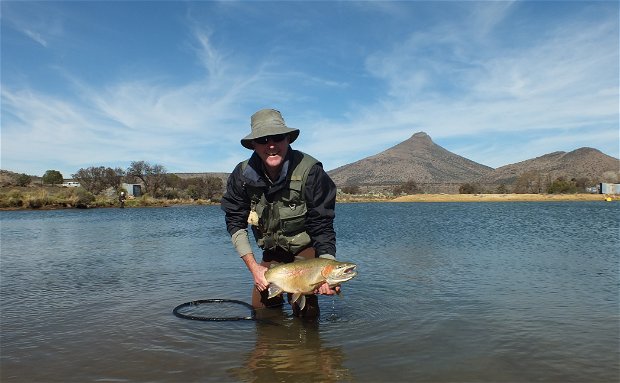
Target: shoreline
x,y
505,198
428,198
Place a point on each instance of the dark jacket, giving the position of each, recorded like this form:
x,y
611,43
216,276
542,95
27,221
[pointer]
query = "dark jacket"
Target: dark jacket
x,y
319,193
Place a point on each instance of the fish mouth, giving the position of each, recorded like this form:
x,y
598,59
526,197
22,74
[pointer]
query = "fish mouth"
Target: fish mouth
x,y
346,274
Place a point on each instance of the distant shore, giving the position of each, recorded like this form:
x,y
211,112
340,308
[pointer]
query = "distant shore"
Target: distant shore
x,y
47,202
503,197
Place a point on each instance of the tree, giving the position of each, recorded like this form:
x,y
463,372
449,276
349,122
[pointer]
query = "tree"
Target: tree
x,y
172,180
202,187
351,189
153,176
409,187
97,179
531,182
583,183
562,186
213,187
52,177
468,188
23,180
501,189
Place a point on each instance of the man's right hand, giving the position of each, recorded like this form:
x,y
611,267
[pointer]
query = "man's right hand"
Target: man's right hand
x,y
257,270
260,282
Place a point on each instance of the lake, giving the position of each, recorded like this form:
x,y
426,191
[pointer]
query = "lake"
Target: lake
x,y
446,292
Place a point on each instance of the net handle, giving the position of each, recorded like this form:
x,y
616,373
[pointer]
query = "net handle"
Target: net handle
x,y
176,312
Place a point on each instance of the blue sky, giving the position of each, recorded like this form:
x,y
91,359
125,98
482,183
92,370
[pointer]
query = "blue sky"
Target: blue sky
x,y
175,83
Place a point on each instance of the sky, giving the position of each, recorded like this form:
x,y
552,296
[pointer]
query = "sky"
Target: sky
x,y
88,83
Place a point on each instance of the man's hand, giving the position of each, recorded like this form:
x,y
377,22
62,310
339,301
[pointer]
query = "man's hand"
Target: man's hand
x,y
324,289
257,270
258,273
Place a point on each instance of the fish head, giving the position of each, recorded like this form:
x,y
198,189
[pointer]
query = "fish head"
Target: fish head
x,y
338,272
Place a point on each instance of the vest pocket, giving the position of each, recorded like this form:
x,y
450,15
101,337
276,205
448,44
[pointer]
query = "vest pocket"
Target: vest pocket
x,y
293,219
298,242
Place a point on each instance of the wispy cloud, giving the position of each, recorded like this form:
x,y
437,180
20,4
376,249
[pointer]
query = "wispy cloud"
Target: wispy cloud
x,y
444,85
456,74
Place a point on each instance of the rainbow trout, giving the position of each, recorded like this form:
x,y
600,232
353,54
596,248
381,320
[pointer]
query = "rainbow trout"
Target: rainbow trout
x,y
303,277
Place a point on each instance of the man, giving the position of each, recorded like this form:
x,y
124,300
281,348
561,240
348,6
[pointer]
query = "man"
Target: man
x,y
289,201
121,199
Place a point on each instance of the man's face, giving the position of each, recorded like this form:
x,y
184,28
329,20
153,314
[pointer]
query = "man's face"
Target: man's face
x,y
272,150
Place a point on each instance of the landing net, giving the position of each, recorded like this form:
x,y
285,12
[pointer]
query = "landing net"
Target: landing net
x,y
215,310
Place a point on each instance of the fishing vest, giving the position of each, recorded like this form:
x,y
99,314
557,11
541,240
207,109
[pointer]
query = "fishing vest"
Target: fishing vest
x,y
281,223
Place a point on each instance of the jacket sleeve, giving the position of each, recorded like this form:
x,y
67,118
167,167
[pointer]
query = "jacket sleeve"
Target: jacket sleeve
x,y
235,203
320,195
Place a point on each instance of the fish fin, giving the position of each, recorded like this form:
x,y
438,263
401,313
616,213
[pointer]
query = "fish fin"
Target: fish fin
x,y
294,298
274,290
300,299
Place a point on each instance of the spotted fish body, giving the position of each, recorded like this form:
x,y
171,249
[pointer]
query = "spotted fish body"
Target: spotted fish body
x,y
303,277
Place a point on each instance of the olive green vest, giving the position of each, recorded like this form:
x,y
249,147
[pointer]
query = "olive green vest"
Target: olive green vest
x,y
282,222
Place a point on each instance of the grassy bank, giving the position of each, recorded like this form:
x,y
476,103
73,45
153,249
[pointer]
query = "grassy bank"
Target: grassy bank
x,y
49,198
46,198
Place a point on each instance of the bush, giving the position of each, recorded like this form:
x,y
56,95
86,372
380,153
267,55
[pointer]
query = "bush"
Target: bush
x,y
409,187
23,180
562,186
352,189
470,189
81,198
171,194
37,200
13,198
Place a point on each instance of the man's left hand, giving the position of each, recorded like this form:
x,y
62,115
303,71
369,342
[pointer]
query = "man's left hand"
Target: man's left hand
x,y
324,289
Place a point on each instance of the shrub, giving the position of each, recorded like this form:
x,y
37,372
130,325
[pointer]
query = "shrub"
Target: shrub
x,y
23,180
502,189
81,198
562,186
13,198
468,188
351,189
37,200
409,187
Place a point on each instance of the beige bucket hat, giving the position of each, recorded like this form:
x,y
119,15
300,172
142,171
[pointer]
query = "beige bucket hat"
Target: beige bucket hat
x,y
268,122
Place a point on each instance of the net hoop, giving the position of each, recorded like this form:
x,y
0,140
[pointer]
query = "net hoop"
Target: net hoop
x,y
176,312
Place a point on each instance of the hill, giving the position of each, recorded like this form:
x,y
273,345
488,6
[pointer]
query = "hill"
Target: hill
x,y
417,158
436,169
580,163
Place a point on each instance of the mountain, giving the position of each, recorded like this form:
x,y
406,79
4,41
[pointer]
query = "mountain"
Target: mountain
x,y
437,170
580,163
417,158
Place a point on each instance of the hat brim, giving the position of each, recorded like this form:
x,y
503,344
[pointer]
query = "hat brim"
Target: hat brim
x,y
292,136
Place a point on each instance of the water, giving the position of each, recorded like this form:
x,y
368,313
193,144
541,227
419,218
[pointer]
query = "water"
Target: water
x,y
484,292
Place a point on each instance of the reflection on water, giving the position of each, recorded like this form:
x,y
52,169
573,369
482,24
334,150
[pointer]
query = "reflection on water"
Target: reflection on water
x,y
289,349
485,292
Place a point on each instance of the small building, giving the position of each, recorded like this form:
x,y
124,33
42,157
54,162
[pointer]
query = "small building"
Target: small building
x,y
70,184
607,188
134,190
